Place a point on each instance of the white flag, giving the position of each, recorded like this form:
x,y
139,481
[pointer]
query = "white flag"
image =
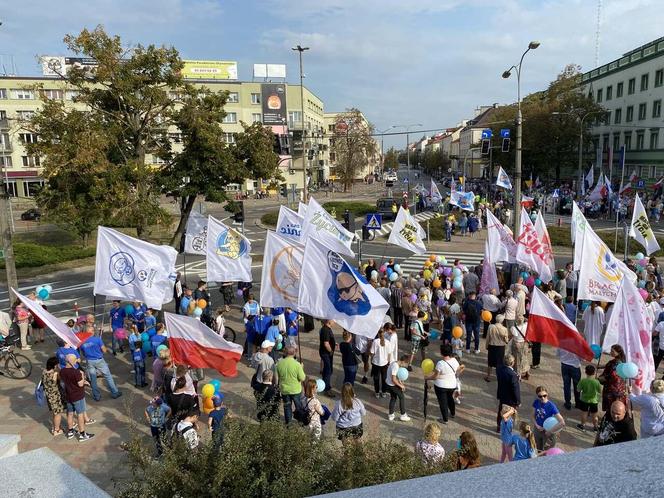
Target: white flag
x,y
463,200
578,226
195,238
334,290
489,276
600,271
599,191
501,244
301,209
435,193
282,267
530,250
407,233
641,230
502,180
590,177
320,225
133,269
227,256
58,327
545,240
631,326
289,224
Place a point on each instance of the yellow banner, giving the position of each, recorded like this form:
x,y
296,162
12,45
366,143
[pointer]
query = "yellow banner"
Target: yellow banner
x,y
209,70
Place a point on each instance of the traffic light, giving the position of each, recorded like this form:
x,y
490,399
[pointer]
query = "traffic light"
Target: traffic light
x,y
506,145
486,144
310,154
239,214
283,189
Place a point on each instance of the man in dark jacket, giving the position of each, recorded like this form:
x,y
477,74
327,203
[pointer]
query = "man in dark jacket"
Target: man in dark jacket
x,y
509,389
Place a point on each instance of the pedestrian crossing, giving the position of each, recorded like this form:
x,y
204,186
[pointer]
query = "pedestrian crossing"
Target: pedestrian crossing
x,y
415,263
386,228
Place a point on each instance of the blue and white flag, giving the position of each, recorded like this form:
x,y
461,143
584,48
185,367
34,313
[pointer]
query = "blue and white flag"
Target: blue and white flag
x,y
195,238
502,180
321,225
289,224
464,201
333,289
133,269
436,196
282,267
227,254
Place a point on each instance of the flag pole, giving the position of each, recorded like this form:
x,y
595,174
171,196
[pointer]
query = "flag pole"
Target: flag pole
x,y
184,266
622,176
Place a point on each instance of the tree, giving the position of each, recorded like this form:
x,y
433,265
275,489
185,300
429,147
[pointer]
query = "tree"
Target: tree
x,y
206,163
353,145
435,162
391,160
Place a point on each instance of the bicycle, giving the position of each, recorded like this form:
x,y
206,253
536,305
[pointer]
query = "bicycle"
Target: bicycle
x,y
17,366
229,334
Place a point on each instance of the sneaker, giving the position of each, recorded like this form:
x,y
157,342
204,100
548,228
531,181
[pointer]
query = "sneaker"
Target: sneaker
x,y
90,422
404,418
457,401
116,395
364,380
467,351
581,427
377,395
441,421
390,416
568,406
477,351
383,395
85,436
71,433
26,348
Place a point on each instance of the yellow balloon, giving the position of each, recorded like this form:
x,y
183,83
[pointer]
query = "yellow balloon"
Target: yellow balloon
x,y
436,284
427,366
207,391
425,317
427,274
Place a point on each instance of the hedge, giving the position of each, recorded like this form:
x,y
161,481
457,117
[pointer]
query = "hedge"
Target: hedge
x,y
356,208
270,218
30,255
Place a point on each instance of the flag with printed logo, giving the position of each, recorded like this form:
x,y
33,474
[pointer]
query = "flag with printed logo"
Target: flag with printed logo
x,y
195,238
489,278
322,226
282,268
227,255
545,240
289,224
436,196
502,180
407,233
531,250
640,229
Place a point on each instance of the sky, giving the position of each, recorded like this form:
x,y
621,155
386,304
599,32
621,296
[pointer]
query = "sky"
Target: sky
x,y
401,62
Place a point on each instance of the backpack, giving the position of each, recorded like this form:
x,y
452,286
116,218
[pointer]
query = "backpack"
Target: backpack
x,y
40,396
303,415
471,311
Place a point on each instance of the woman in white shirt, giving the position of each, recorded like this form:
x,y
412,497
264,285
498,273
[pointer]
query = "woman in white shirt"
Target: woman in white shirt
x,y
445,382
380,349
520,348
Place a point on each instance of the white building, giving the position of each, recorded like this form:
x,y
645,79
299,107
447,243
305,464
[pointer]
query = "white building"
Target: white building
x,y
470,161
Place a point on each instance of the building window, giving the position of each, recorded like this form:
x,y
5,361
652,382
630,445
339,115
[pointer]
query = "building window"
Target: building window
x,y
256,117
28,138
600,92
653,171
22,94
657,108
11,188
640,140
230,117
229,138
6,161
3,93
644,82
654,139
609,92
157,160
659,78
294,117
642,112
176,138
52,94
607,118
617,116
619,90
629,117
30,161
255,98
631,86
3,115
25,115
628,140
233,98
616,141
5,143
30,188
71,94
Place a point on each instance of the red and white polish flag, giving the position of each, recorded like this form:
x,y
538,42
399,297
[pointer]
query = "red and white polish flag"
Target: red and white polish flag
x,y
548,324
193,343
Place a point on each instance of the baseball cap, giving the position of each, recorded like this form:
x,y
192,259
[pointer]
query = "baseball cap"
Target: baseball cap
x,y
267,344
217,399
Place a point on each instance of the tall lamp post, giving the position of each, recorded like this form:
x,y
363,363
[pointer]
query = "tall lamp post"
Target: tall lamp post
x,y
301,49
519,122
408,127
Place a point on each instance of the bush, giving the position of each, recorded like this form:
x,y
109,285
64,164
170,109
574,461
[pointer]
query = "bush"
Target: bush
x,y
269,460
561,236
30,255
356,208
270,219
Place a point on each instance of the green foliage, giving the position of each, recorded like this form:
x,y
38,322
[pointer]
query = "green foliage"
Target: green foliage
x,y
435,162
391,160
353,145
29,255
270,460
561,236
270,219
355,207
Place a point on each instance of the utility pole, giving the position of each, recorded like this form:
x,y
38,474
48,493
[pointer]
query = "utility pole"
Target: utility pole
x,y
8,248
301,49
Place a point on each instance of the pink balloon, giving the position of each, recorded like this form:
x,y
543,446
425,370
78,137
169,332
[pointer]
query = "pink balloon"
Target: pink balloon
x,y
554,451
644,293
530,281
383,268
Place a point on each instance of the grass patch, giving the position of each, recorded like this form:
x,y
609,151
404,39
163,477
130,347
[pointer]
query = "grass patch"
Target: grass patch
x,y
562,237
270,219
356,208
30,255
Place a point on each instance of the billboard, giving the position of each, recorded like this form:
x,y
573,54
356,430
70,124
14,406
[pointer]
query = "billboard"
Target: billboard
x,y
276,70
59,66
260,70
273,98
209,70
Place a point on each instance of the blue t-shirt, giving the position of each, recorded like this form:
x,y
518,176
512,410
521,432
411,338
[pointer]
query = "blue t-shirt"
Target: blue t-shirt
x,y
62,353
132,340
117,318
291,323
150,324
544,411
158,414
217,417
138,316
184,305
276,311
506,430
272,334
522,448
92,348
156,341
570,312
138,355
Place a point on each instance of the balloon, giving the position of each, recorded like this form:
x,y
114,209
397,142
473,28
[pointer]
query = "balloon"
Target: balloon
x,y
390,271
639,255
486,315
550,423
192,306
402,374
434,334
216,384
554,451
630,370
427,274
457,284
427,264
538,282
43,294
160,348
129,309
585,305
320,385
202,304
394,277
207,391
425,317
383,267
432,258
374,275
644,262
457,332
436,284
427,366
456,272
198,311
239,293
397,268
364,267
443,260
413,298
447,271
530,281
440,302
439,259
120,333
524,275
619,370
280,346
597,350
48,288
439,270
208,405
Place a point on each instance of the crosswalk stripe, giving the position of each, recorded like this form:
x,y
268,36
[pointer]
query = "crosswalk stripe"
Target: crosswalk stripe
x,y
416,262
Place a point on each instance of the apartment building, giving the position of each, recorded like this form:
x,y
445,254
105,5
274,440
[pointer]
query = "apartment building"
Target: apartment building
x,y
327,159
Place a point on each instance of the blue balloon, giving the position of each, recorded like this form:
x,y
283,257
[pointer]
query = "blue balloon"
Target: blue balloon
x,y
619,370
630,370
198,311
48,288
320,385
397,268
538,282
43,294
434,334
147,345
550,423
394,277
597,350
524,274
456,284
129,309
456,272
402,374
217,385
389,271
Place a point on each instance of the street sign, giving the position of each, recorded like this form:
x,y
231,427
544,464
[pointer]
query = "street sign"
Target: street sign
x,y
505,133
641,184
487,133
405,180
374,221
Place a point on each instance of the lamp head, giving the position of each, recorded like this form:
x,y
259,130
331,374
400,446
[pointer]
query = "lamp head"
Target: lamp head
x,y
507,74
533,45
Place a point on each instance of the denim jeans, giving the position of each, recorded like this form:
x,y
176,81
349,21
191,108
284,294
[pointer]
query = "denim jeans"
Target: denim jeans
x,y
350,371
156,435
288,400
473,329
101,366
396,393
139,373
571,377
327,370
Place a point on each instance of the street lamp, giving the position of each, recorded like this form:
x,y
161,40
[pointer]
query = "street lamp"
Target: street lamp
x,y
382,147
408,127
519,121
301,49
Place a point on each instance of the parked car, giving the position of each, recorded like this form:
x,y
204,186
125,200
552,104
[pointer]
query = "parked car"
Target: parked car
x,y
31,214
384,207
